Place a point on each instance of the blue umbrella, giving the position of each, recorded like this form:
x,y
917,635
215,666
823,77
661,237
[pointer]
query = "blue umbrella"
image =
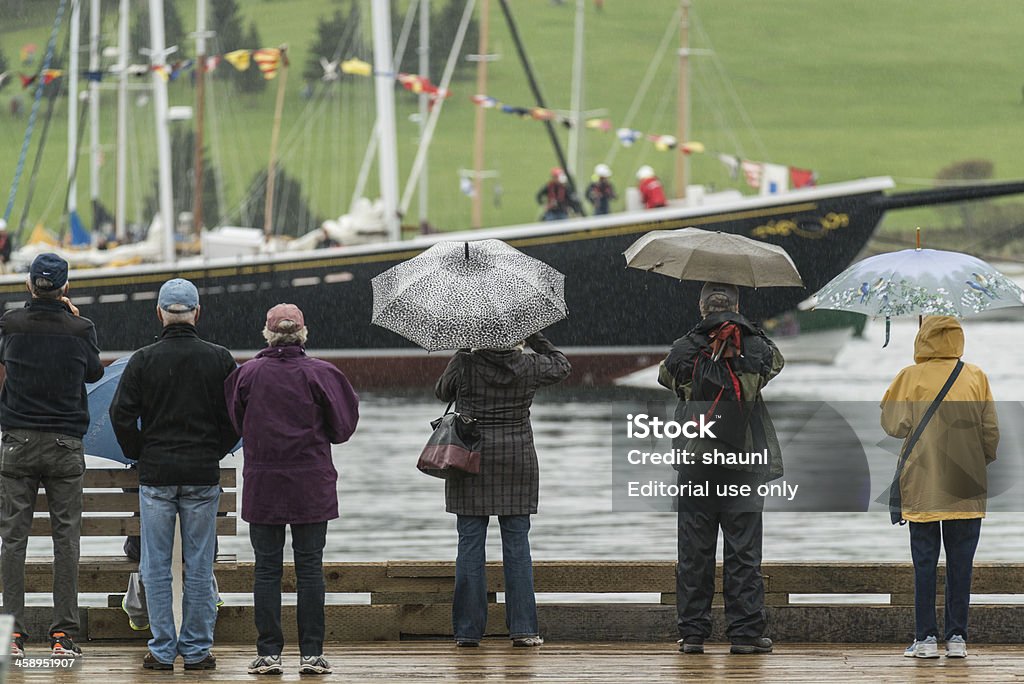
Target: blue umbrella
x,y
99,440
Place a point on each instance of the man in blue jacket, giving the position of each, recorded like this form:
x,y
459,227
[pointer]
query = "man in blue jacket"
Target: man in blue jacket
x,y
49,353
175,387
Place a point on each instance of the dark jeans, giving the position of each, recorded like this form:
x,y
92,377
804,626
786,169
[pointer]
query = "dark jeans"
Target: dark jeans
x,y
308,548
960,539
31,458
469,608
742,583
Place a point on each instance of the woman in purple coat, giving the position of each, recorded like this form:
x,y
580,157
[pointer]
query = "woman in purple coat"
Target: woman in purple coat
x,y
289,409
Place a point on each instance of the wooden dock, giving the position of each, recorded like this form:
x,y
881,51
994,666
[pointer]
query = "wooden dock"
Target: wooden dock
x,y
410,600
594,663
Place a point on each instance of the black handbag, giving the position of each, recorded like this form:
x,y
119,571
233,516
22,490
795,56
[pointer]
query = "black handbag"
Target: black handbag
x,y
895,496
453,450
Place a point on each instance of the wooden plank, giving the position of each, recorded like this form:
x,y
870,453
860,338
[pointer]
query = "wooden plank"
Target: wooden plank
x,y
96,526
112,478
125,502
594,663
236,625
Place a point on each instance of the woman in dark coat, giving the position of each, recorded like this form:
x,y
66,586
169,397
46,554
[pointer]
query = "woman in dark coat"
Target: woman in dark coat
x,y
289,409
496,387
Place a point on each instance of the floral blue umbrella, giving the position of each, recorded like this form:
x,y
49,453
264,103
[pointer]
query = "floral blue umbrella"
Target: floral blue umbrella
x,y
919,282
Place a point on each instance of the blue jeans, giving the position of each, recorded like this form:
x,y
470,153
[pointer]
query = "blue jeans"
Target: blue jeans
x,y
960,539
308,548
469,608
197,507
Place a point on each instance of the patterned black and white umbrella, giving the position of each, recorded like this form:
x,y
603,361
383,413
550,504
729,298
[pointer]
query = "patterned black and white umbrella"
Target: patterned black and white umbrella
x,y
482,294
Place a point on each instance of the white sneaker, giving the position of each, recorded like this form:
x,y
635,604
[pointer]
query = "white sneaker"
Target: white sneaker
x,y
929,648
268,664
314,665
956,647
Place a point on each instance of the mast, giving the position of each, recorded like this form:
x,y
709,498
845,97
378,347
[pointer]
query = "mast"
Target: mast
x,y
73,49
197,155
424,50
481,117
575,148
121,206
158,58
682,100
94,108
275,134
384,75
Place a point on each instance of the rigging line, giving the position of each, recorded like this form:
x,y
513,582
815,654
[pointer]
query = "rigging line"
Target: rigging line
x,y
652,69
428,132
710,99
513,29
36,163
310,107
730,89
371,146
215,154
136,170
659,114
74,166
50,46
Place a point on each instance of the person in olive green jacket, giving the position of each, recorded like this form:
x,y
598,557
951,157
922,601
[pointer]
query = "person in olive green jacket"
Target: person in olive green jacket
x,y
943,486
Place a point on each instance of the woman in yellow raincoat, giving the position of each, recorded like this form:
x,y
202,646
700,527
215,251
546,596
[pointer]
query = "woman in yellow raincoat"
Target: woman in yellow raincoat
x,y
942,484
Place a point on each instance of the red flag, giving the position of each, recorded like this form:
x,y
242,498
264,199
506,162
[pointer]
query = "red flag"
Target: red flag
x,y
802,178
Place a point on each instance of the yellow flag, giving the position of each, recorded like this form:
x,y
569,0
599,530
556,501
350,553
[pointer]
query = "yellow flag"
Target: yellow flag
x,y
356,66
238,59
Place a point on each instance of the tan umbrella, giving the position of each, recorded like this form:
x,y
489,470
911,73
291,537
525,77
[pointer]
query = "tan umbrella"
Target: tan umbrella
x,y
695,254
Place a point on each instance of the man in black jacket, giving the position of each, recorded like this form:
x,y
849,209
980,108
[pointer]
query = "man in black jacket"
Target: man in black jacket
x,y
49,353
175,387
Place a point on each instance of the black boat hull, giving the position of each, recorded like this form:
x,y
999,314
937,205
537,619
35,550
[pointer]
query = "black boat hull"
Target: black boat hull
x,y
614,312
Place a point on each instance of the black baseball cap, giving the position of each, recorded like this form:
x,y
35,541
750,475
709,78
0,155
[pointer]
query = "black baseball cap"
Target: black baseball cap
x,y
48,272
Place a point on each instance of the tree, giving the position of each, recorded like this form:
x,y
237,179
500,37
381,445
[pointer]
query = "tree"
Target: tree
x,y
292,213
337,38
444,26
174,30
183,142
251,80
227,23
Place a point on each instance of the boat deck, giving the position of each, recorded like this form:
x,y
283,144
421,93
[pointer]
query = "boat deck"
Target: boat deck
x,y
593,663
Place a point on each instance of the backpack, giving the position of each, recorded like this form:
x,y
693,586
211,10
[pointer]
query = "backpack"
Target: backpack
x,y
715,390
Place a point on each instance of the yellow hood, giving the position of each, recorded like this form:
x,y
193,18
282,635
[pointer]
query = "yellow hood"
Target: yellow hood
x,y
940,337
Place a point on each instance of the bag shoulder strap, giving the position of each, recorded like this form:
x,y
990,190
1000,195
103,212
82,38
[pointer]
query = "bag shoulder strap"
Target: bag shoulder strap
x,y
912,442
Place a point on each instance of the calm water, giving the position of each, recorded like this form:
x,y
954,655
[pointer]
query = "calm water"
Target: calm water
x,y
391,511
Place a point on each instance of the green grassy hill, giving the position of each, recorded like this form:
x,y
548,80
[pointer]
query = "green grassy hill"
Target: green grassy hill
x,y
849,89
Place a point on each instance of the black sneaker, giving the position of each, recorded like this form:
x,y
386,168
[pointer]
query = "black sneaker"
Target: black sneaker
x,y
691,644
149,662
207,663
17,645
62,646
750,646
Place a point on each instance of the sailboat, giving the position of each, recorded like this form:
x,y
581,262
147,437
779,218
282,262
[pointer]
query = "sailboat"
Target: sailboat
x,y
620,320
